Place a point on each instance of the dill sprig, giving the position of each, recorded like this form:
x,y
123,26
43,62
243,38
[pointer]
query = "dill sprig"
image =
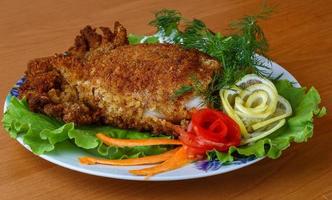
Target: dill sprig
x,y
182,90
236,51
167,22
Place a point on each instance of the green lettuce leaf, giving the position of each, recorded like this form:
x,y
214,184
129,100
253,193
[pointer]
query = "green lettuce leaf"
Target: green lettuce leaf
x,y
41,133
139,39
299,127
84,137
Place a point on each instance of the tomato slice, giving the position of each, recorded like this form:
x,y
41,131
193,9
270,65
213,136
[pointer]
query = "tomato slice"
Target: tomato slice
x,y
195,153
193,148
210,125
209,129
234,136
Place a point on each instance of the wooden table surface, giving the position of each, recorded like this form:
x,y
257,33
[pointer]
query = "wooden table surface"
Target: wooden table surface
x,y
300,38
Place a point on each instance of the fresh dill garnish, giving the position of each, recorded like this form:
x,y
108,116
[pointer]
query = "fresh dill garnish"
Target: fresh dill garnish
x,y
182,90
197,85
167,22
237,52
200,90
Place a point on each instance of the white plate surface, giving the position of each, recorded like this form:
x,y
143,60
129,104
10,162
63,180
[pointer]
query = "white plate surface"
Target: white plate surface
x,y
67,156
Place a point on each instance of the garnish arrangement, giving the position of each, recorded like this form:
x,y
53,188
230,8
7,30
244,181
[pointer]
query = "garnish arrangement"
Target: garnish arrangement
x,y
179,96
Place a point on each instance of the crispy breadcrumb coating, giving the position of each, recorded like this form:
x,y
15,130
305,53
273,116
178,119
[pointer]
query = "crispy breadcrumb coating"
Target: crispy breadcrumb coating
x,y
103,80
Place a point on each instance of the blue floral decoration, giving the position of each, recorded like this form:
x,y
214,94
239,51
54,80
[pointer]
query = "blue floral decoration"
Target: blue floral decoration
x,y
208,165
213,165
15,90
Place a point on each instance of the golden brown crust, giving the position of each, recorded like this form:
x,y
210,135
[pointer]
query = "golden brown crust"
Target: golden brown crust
x,y
89,40
48,92
164,65
101,79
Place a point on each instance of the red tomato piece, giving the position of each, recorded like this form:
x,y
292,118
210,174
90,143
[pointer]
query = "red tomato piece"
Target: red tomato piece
x,y
208,130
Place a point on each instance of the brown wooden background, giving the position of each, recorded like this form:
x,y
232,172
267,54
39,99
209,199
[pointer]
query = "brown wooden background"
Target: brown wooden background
x,y
300,35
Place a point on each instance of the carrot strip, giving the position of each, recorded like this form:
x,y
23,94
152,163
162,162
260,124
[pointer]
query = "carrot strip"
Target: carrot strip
x,y
179,159
136,142
130,161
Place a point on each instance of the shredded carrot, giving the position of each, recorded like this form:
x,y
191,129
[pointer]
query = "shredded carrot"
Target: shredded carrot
x,y
179,159
136,142
171,160
130,161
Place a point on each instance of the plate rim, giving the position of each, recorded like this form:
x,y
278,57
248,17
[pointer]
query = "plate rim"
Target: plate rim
x,y
91,171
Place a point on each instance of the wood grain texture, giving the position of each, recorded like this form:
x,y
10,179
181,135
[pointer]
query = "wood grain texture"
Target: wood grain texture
x,y
300,38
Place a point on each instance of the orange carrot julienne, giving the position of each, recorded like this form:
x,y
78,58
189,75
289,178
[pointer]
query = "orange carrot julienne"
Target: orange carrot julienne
x,y
130,161
136,142
179,159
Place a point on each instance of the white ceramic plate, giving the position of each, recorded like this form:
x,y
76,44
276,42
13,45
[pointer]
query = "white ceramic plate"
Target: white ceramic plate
x,y
67,155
